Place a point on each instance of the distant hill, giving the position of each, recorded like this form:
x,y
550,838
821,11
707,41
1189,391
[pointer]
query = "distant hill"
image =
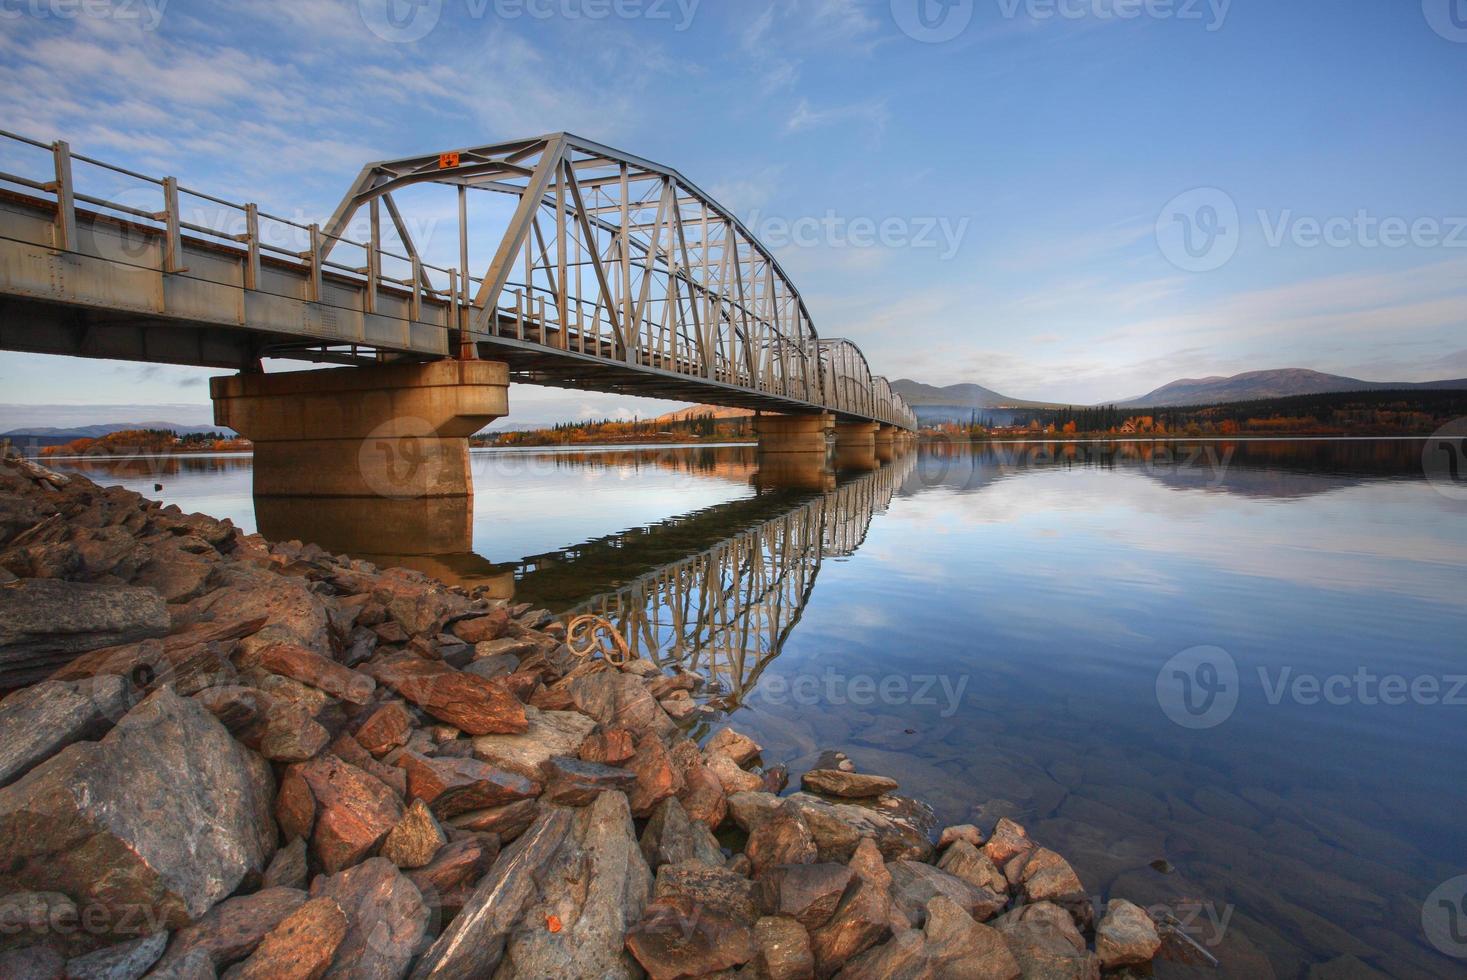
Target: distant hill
x,y
959,396
1280,383
42,435
703,411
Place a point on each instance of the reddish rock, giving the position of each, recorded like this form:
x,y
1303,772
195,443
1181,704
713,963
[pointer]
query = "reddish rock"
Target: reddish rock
x,y
964,832
453,786
702,796
1126,936
732,778
385,729
852,785
232,929
676,939
657,778
482,629
739,747
355,811
416,838
522,684
781,838
572,782
807,893
288,867
507,821
301,947
863,917
610,748
386,918
1008,841
621,701
309,667
295,806
468,702
782,949
349,750
709,888
456,867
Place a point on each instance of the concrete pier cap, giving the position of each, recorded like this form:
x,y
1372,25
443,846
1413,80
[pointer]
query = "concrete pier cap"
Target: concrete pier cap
x,y
398,431
793,433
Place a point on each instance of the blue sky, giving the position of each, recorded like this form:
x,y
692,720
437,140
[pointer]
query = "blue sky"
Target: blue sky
x,y
1080,199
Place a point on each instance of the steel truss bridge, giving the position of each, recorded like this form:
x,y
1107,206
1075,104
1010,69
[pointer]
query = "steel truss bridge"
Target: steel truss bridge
x,y
608,273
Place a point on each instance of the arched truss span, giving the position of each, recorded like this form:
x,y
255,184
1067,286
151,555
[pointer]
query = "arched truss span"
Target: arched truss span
x,y
614,271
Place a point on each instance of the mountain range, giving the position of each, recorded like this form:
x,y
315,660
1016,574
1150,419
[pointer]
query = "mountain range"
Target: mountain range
x,y
45,435
1252,385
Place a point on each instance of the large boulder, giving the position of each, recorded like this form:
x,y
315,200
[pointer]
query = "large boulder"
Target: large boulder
x,y
547,734
45,622
150,826
386,920
355,811
595,887
898,825
468,702
39,721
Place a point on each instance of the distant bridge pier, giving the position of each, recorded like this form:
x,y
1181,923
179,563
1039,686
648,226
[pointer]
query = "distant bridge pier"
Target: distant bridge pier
x,y
855,446
886,441
389,432
794,451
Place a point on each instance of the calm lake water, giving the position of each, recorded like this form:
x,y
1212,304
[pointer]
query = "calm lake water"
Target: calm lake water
x,y
1240,659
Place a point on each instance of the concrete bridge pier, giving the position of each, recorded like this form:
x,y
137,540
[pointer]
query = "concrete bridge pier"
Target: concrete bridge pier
x,y
855,446
886,443
391,432
794,451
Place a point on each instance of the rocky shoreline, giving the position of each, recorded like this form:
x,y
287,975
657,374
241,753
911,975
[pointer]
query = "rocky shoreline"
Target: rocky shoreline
x,y
225,757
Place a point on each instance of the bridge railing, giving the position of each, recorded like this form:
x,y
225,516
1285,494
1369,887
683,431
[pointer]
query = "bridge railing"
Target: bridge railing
x,y
152,211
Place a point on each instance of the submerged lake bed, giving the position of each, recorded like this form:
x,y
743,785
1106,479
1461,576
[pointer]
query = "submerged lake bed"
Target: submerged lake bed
x,y
1220,677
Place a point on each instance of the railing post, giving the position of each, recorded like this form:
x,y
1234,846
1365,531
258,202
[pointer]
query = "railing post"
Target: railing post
x,y
313,285
65,197
252,246
374,258
415,299
454,320
173,247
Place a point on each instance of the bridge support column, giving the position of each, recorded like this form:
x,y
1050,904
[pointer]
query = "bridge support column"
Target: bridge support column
x,y
886,437
855,446
794,451
396,431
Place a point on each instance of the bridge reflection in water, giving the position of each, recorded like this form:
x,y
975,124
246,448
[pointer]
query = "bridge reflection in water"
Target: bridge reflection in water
x,y
716,590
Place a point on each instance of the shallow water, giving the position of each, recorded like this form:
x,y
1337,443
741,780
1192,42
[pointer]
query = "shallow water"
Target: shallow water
x,y
1016,630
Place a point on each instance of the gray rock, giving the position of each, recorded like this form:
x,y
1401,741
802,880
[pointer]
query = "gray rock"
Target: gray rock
x,y
229,931
596,886
914,885
950,945
671,837
387,918
551,733
1044,940
725,892
159,820
854,785
473,944
1126,936
37,722
46,622
124,961
572,782
288,867
894,824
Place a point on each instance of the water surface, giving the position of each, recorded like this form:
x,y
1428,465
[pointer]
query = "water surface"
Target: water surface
x,y
989,626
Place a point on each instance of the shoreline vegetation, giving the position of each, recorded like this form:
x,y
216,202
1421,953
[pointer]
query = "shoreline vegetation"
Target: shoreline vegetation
x,y
284,761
